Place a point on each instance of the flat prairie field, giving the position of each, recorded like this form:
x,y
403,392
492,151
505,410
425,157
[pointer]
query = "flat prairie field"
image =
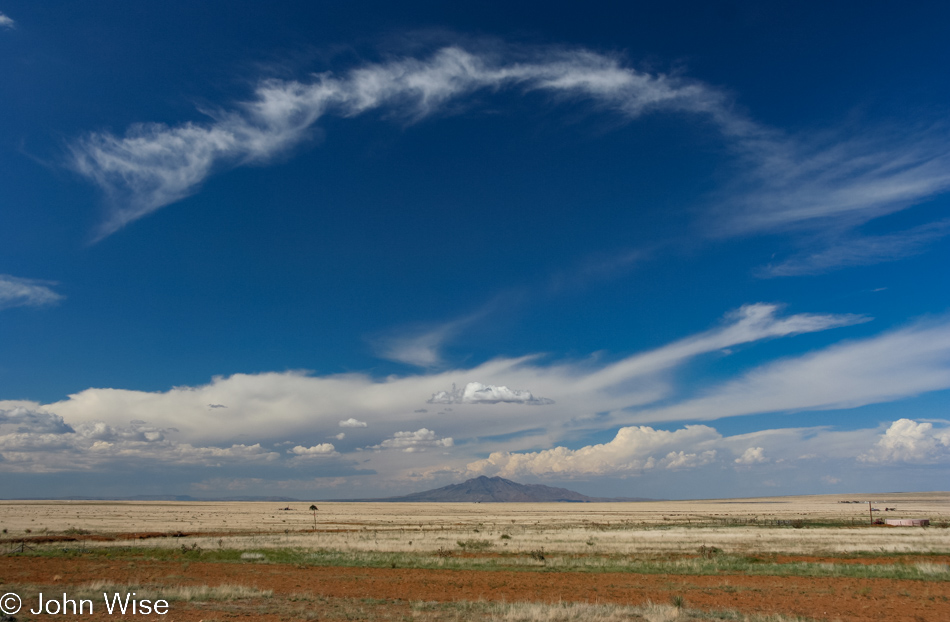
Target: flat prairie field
x,y
768,559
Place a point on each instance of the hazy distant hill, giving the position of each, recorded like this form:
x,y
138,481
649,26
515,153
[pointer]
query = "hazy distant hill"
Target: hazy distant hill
x,y
497,490
478,490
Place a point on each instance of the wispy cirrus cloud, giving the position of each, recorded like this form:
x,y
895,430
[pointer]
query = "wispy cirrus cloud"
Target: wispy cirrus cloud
x,y
786,183
154,165
822,189
422,345
17,292
894,365
849,250
6,22
801,183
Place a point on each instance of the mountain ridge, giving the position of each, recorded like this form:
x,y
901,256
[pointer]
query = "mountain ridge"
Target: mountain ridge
x,y
483,489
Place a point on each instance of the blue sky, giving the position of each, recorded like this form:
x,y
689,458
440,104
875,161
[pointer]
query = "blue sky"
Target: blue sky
x,y
672,250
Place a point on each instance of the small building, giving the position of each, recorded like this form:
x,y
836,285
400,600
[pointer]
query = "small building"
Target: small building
x,y
907,522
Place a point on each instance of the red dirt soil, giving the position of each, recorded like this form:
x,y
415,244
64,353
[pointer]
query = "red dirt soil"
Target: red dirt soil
x,y
844,599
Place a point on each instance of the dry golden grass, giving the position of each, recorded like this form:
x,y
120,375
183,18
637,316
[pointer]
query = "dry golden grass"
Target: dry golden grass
x,y
736,526
125,516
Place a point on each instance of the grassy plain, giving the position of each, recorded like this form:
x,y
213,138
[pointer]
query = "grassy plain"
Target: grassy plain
x,y
744,559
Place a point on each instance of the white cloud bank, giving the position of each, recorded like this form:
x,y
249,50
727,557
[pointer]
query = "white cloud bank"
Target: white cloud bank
x,y
91,428
640,449
295,405
6,22
41,442
478,393
16,292
908,441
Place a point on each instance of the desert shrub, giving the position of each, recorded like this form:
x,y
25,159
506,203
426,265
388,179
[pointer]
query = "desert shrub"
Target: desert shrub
x,y
708,552
474,545
75,531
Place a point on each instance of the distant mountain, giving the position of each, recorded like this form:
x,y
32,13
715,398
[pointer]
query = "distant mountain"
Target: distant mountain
x,y
478,490
497,490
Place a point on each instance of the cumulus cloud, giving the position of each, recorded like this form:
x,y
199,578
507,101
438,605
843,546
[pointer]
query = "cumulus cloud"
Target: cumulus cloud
x,y
632,451
352,423
323,449
42,442
752,455
28,421
637,450
6,22
16,292
683,460
478,393
909,441
411,442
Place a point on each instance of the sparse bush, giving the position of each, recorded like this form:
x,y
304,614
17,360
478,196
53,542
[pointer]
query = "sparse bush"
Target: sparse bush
x,y
72,531
709,552
474,545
